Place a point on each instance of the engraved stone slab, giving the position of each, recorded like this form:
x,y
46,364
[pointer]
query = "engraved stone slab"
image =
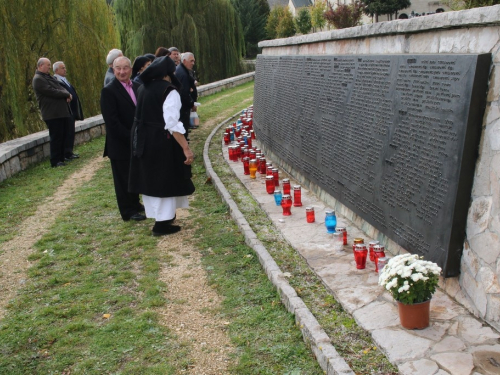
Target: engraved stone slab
x,y
392,137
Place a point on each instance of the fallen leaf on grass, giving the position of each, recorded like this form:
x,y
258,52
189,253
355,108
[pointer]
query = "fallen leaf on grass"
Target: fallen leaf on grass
x,y
106,316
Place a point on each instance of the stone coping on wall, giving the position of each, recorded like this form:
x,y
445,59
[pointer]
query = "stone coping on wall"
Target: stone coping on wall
x,y
17,154
485,16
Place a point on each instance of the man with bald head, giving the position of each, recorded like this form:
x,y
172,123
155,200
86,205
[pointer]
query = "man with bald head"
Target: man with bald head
x,y
53,101
118,103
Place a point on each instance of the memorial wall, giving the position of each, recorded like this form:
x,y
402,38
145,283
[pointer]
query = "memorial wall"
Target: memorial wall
x,y
389,141
393,137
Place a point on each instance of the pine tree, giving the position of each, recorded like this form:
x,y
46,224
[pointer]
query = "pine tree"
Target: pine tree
x,y
286,25
303,21
318,10
253,16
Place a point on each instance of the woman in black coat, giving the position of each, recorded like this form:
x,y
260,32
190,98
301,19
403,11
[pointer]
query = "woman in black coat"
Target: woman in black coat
x,y
161,160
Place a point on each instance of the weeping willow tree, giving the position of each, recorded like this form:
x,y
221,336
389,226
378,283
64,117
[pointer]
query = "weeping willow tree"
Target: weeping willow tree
x,y
211,29
80,33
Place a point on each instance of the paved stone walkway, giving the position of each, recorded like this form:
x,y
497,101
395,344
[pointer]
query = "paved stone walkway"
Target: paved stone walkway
x,y
456,342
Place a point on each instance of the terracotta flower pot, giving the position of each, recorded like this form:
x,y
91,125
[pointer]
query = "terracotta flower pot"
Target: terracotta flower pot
x,y
415,316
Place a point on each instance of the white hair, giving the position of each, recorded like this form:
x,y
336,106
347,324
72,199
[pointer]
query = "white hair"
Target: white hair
x,y
122,58
186,55
112,55
57,65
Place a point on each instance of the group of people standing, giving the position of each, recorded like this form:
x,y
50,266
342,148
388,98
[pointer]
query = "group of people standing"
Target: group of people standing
x,y
60,108
146,108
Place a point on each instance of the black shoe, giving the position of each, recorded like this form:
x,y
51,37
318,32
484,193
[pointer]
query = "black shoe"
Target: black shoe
x,y
162,228
60,164
71,157
194,127
137,217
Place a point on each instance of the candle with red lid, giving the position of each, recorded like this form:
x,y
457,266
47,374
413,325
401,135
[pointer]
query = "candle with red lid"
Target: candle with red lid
x,y
297,196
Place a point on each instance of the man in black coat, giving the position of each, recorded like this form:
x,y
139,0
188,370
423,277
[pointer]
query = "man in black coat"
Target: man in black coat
x,y
187,90
118,103
59,69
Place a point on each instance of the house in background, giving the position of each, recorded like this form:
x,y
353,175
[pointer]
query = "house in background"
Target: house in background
x,y
296,5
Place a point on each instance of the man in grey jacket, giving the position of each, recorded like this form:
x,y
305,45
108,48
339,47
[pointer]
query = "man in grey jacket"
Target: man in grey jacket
x,y
53,101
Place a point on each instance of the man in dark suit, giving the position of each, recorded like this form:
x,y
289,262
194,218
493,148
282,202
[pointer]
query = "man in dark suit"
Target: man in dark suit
x,y
76,110
188,91
118,102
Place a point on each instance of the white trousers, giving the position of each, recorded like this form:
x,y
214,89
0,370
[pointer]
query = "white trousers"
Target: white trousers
x,y
162,209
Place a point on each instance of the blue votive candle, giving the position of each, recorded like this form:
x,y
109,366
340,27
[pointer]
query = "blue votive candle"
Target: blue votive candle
x,y
330,221
277,197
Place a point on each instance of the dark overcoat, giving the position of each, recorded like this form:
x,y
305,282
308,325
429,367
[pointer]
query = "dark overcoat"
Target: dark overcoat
x,y
157,165
118,111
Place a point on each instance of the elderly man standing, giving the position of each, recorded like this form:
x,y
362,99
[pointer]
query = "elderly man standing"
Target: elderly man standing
x,y
76,110
118,103
188,90
112,55
53,101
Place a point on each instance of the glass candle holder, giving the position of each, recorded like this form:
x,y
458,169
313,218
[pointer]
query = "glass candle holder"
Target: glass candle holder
x,y
310,217
227,138
252,134
378,252
381,262
230,151
246,165
262,165
269,169
297,196
249,141
231,135
286,204
252,154
252,168
270,184
357,241
286,186
338,241
330,221
244,153
371,244
277,197
343,230
360,254
276,175
237,153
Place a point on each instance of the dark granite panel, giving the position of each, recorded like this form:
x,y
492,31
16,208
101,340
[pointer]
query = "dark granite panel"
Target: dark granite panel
x,y
393,137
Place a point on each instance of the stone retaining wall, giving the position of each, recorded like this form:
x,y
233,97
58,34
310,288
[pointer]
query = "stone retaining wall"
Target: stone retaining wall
x,y
18,154
470,31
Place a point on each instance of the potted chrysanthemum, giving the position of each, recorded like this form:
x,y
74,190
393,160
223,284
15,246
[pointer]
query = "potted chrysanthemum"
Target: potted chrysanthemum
x,y
412,281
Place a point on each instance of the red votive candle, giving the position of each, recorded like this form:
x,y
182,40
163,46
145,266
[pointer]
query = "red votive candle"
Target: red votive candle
x,y
252,154
270,184
297,196
310,218
252,134
356,242
227,138
360,253
286,204
246,165
262,165
276,175
371,244
343,230
230,151
378,252
249,141
286,186
269,169
237,153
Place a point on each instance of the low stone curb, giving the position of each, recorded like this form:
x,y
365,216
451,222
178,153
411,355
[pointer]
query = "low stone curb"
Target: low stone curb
x,y
328,358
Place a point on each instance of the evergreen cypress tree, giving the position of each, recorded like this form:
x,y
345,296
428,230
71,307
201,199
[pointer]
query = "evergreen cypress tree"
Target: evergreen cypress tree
x,y
253,16
211,29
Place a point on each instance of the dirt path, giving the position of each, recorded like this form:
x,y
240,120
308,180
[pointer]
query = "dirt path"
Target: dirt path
x,y
191,311
14,258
